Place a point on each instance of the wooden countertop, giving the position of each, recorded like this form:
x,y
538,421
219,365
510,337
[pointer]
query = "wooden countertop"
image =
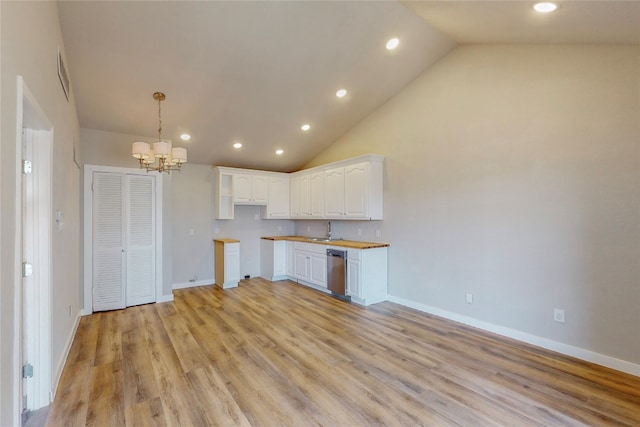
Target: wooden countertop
x,y
353,244
226,240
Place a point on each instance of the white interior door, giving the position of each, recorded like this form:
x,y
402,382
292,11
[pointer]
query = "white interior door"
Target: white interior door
x,y
141,241
108,241
33,253
124,240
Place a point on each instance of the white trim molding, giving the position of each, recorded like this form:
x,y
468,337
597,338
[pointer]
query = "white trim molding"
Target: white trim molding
x,y
203,282
63,360
566,349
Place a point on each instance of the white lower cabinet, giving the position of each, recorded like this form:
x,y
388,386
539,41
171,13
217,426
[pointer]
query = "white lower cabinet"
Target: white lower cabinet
x,y
367,275
310,263
354,283
273,259
306,263
227,262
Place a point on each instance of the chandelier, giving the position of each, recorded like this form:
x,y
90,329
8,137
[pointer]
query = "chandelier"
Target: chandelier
x,y
169,159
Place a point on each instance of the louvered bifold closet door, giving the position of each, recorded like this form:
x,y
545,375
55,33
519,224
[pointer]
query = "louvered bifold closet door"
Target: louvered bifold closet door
x,y
108,241
141,240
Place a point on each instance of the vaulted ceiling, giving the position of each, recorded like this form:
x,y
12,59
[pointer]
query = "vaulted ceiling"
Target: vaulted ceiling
x,y
254,72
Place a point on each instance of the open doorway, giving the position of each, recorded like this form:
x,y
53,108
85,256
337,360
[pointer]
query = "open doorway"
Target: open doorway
x,y
35,141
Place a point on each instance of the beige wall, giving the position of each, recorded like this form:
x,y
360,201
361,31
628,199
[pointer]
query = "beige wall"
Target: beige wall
x,y
513,173
30,36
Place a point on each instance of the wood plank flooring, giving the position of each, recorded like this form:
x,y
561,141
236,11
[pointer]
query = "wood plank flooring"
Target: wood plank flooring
x,y
279,354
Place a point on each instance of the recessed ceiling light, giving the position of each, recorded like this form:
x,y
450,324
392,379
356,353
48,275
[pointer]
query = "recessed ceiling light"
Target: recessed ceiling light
x,y
393,43
341,93
237,145
545,7
185,137
279,152
305,127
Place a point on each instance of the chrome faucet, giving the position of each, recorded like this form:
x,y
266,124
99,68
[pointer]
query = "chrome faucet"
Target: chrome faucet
x,y
329,230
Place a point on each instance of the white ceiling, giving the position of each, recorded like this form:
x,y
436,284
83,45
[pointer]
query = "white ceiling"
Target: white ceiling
x,y
254,72
607,21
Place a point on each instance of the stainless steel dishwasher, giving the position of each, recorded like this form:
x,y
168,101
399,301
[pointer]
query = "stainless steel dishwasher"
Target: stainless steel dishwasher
x,y
336,273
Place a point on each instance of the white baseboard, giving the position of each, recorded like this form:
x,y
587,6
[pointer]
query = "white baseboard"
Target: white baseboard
x,y
192,284
165,298
569,350
63,360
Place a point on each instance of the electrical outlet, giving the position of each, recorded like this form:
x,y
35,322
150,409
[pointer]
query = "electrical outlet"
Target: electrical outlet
x,y
191,232
377,233
359,231
256,217
279,228
468,298
216,230
308,228
558,315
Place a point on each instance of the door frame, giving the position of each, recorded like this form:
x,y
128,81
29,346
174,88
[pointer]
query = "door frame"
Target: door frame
x,y
88,230
30,115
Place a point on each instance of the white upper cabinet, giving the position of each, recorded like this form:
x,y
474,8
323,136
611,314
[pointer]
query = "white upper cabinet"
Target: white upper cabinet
x,y
348,189
305,196
278,202
334,193
317,195
294,194
250,189
354,191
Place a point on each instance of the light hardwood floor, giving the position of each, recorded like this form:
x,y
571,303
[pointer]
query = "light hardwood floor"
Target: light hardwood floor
x,y
271,354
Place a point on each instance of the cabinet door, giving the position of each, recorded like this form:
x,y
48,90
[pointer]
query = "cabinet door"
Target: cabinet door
x,y
242,188
289,263
305,195
353,278
231,263
334,193
279,258
356,191
223,195
294,202
318,273
259,189
301,264
317,194
278,206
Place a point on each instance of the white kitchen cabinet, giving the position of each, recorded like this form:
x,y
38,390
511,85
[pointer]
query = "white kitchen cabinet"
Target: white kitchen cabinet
x,y
310,264
317,194
334,193
227,262
223,194
347,192
367,275
289,258
305,196
356,191
354,273
273,259
278,202
294,194
250,189
318,273
307,263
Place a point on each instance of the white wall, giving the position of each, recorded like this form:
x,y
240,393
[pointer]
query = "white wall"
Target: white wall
x,y
30,36
513,173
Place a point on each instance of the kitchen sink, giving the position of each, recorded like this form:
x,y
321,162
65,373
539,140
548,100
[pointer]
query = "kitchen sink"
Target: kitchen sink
x,y
321,239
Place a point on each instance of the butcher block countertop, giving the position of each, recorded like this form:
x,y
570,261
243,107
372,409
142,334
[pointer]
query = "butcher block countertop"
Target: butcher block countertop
x,y
353,244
